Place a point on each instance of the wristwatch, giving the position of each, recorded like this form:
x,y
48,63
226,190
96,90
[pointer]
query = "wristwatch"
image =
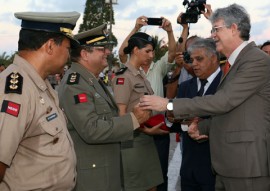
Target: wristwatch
x,y
170,105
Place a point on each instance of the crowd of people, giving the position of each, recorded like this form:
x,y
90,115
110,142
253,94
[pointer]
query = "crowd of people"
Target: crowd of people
x,y
61,128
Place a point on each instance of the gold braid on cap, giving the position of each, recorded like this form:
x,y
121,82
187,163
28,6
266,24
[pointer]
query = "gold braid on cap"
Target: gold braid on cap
x,y
67,31
95,40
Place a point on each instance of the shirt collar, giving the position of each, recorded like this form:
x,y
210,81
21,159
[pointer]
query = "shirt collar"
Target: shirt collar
x,y
211,78
31,71
236,52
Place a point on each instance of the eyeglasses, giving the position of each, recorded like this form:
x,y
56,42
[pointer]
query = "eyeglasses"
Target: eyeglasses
x,y
216,29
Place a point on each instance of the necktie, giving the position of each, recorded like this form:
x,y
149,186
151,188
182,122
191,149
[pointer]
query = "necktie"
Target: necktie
x,y
226,68
201,91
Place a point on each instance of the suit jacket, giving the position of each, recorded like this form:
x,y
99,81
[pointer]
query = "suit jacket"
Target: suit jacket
x,y
95,128
196,160
240,125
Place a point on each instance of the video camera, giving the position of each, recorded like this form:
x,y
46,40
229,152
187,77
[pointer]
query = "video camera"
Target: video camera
x,y
193,11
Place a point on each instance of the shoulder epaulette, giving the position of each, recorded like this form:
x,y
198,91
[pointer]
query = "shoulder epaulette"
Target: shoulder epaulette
x,y
121,71
73,78
14,83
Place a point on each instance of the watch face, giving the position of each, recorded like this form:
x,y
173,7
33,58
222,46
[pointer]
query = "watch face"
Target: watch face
x,y
170,106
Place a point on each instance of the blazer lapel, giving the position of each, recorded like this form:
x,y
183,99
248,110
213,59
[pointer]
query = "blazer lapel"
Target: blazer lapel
x,y
213,86
238,59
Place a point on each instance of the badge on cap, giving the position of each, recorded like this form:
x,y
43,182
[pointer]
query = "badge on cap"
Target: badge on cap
x,y
14,83
120,81
80,98
11,108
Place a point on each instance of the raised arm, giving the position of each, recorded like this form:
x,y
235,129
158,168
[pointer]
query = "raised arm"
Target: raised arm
x,y
140,22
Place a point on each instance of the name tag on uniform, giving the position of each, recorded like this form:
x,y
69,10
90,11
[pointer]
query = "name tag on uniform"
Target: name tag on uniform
x,y
51,117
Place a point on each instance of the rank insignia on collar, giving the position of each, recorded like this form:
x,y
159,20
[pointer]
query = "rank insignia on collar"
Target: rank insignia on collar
x,y
14,83
73,78
121,71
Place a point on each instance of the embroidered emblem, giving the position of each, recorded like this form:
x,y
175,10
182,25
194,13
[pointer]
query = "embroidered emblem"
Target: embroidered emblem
x,y
121,71
73,78
80,98
11,108
120,81
14,83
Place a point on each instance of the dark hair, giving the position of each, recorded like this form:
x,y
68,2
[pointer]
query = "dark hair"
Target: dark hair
x,y
139,40
265,44
33,40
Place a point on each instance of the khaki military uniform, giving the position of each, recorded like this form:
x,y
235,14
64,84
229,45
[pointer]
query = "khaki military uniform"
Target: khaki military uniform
x,y
34,141
95,128
140,162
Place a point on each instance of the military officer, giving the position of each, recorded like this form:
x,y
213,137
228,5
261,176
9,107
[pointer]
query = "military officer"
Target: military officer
x,y
94,123
141,165
36,151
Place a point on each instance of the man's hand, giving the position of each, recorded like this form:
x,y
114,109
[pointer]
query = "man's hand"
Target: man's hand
x,y
141,114
155,130
179,59
152,102
194,133
208,12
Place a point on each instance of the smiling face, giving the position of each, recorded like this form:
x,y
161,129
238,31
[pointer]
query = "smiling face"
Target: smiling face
x,y
222,36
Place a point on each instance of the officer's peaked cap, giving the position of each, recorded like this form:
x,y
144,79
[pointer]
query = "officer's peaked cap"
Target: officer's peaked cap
x,y
95,37
56,22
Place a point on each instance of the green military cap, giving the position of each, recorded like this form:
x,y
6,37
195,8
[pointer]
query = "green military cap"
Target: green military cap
x,y
95,37
56,22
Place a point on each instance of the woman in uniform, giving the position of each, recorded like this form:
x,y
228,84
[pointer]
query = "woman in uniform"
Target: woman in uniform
x,y
140,162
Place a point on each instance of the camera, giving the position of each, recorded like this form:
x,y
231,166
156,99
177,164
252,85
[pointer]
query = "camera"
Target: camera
x,y
154,21
187,58
193,11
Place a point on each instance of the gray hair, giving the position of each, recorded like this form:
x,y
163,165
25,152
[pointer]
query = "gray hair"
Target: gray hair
x,y
234,14
208,44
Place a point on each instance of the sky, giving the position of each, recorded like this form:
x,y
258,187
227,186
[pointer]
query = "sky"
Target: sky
x,y
126,12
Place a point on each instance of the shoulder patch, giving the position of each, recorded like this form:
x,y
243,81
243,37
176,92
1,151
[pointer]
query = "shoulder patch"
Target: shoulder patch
x,y
14,83
121,71
73,78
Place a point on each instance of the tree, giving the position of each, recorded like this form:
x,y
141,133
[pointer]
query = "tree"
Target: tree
x,y
161,48
6,59
96,13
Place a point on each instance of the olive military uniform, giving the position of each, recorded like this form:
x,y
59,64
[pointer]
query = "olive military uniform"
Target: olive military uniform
x,y
95,128
34,141
140,162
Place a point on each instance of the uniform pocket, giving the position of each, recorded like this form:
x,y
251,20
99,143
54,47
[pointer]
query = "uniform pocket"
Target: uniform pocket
x,y
92,172
51,124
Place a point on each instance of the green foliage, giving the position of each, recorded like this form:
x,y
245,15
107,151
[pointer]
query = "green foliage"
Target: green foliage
x,y
5,59
96,13
160,49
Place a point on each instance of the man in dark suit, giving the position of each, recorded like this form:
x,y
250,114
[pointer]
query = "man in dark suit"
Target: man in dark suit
x,y
196,173
239,128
